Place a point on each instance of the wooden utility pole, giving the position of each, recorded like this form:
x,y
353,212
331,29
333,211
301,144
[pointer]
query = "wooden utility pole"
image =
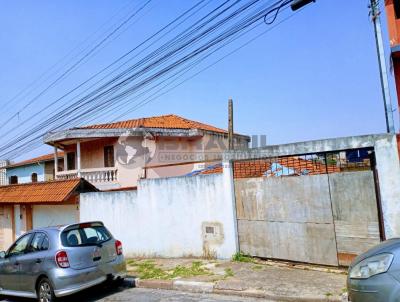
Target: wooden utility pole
x,y
230,124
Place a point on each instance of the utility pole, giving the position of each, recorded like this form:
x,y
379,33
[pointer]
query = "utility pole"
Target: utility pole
x,y
375,14
230,124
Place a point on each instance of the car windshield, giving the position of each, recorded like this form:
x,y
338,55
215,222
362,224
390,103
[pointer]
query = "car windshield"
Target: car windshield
x,y
85,235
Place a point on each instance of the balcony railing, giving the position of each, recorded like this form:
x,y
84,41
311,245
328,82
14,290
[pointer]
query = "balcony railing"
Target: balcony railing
x,y
96,175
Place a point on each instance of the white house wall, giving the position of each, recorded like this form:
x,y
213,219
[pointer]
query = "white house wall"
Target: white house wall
x,y
168,217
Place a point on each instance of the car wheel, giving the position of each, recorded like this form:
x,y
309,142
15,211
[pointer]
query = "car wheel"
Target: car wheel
x,y
45,291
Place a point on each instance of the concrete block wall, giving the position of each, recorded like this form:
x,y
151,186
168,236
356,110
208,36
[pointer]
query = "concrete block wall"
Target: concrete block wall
x,y
169,217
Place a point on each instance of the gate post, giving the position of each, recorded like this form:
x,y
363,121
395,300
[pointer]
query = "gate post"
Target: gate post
x,y
227,168
388,170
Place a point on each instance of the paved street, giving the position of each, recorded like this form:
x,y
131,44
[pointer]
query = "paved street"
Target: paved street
x,y
142,295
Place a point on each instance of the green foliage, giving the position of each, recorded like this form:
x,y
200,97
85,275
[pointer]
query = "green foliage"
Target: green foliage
x,y
229,272
240,257
149,270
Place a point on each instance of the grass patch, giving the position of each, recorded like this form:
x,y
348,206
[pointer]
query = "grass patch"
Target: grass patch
x,y
256,267
240,257
229,272
196,269
149,270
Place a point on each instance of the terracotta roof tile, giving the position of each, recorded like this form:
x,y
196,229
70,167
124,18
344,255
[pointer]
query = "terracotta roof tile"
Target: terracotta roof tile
x,y
35,160
258,168
40,192
170,121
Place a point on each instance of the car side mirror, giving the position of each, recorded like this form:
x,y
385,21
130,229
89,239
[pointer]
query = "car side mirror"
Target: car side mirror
x,y
2,255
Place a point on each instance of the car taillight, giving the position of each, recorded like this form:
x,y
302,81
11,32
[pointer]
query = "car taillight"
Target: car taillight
x,y
62,259
118,247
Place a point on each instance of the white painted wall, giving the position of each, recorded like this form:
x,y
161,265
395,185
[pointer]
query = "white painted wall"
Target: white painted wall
x,y
50,215
388,167
166,217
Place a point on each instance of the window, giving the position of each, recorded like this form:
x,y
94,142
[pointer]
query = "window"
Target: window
x,y
87,235
34,177
13,180
71,161
20,246
109,156
40,242
396,4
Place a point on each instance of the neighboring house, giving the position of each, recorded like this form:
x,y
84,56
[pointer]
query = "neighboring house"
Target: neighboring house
x,y
117,155
35,205
33,170
3,173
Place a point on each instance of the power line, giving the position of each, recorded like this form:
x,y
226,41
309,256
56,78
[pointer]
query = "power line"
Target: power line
x,y
65,73
107,98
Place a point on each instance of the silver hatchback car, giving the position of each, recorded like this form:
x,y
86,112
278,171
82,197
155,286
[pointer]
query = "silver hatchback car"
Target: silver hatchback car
x,y
375,275
58,261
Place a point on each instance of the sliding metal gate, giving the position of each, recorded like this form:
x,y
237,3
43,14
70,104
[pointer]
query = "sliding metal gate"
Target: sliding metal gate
x,y
317,208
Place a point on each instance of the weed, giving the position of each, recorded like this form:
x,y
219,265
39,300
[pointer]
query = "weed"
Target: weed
x,y
240,257
229,272
256,267
149,270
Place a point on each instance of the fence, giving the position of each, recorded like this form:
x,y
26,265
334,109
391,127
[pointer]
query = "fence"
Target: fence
x,y
170,217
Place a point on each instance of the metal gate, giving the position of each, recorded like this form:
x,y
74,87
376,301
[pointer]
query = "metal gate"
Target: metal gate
x,y
316,208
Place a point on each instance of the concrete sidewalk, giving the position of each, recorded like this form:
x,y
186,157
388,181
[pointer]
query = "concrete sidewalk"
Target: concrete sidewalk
x,y
278,281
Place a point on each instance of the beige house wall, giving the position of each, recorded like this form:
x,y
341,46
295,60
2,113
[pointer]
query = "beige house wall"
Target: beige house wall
x,y
133,153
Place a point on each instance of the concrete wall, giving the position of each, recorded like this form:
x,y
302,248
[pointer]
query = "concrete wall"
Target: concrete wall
x,y
24,173
168,217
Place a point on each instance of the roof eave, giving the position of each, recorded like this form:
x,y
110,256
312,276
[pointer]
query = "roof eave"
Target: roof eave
x,y
53,138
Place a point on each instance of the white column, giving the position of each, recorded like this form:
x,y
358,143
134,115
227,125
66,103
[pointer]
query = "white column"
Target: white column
x,y
17,220
55,161
78,157
65,161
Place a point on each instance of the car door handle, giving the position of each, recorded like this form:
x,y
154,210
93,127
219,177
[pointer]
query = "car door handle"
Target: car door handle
x,y
38,260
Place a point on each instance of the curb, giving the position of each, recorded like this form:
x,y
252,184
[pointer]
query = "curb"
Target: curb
x,y
208,287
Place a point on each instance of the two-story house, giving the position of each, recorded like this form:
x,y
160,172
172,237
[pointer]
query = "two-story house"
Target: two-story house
x,y
36,169
117,155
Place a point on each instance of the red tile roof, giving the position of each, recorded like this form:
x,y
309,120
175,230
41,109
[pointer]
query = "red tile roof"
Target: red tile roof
x,y
170,121
42,192
35,160
257,168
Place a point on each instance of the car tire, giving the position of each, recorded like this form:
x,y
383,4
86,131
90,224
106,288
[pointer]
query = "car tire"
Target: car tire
x,y
45,291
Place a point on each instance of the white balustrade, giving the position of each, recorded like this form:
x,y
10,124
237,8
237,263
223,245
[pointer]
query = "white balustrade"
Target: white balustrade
x,y
96,175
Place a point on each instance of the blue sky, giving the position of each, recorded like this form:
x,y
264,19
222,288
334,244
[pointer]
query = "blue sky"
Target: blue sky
x,y
314,76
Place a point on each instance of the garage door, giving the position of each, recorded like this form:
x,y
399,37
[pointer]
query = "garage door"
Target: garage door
x,y
43,216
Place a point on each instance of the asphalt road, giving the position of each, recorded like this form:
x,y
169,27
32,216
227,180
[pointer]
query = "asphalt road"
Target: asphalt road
x,y
123,294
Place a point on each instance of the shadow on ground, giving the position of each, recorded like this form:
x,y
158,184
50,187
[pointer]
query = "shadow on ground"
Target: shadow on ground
x,y
92,294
